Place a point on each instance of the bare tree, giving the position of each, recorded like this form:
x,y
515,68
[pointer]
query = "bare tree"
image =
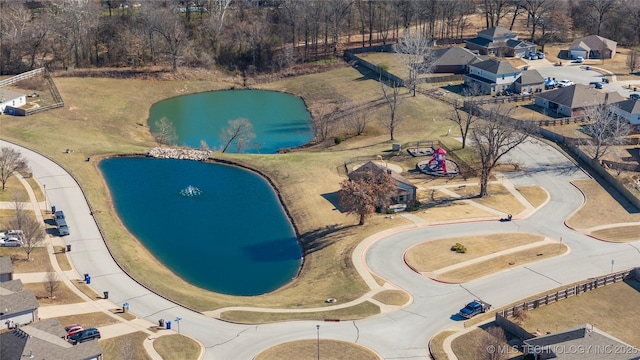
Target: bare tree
x,y
633,59
33,234
464,116
167,23
600,10
494,137
240,132
537,10
606,129
492,344
391,96
11,162
416,54
357,122
362,195
166,132
323,122
51,283
20,214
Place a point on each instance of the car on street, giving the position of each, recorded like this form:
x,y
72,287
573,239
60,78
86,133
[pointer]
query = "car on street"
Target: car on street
x,y
84,335
634,96
596,84
565,83
579,59
11,242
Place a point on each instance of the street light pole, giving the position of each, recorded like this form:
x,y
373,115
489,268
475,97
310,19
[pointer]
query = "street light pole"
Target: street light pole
x,y
46,207
318,332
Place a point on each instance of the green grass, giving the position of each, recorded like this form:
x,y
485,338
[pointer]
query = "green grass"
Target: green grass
x,y
177,347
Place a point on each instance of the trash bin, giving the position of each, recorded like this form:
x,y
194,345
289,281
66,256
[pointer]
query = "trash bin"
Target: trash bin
x,y
86,276
587,68
68,247
88,279
168,325
106,294
53,209
161,322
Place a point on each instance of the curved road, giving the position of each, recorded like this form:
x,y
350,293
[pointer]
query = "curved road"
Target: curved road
x,y
398,334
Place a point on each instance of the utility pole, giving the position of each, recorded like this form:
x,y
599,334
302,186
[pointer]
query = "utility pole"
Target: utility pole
x,y
318,332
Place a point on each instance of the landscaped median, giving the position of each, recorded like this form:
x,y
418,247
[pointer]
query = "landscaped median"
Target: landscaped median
x,y
478,256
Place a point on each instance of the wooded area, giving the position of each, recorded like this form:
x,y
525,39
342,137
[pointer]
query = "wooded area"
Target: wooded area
x,y
266,36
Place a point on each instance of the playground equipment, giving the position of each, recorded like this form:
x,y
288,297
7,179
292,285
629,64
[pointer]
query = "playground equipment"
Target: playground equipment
x,y
438,164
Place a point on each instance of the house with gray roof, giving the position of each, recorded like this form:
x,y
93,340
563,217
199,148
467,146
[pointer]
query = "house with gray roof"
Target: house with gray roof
x,y
593,47
501,42
45,340
6,269
581,343
629,110
18,306
529,81
454,60
11,98
491,76
405,190
573,100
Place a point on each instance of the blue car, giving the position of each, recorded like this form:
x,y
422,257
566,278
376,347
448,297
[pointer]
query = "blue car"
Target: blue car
x,y
635,96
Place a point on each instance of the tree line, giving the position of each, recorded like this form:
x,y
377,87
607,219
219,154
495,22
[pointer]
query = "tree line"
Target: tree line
x,y
248,36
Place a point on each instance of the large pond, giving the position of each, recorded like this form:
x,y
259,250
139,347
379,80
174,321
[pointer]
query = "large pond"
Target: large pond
x,y
279,120
218,227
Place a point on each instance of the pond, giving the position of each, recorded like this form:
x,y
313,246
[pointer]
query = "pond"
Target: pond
x,y
279,120
218,227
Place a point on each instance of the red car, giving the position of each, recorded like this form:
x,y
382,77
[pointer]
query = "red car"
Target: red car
x,y
73,329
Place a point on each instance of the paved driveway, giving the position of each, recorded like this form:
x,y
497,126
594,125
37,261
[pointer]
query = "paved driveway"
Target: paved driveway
x,y
399,334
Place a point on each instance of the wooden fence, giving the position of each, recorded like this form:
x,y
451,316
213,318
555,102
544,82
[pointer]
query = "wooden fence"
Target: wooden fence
x,y
570,292
563,121
57,98
504,99
25,75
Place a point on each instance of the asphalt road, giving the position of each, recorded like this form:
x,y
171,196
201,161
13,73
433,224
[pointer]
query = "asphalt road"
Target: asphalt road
x,y
399,334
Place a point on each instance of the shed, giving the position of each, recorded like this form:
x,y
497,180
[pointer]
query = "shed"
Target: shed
x,y
11,98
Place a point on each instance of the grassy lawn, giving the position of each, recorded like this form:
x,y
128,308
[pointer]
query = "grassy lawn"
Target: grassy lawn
x,y
435,344
127,346
13,188
308,350
392,297
62,296
502,262
535,195
39,259
592,214
61,258
359,311
433,255
86,289
463,351
176,347
96,319
500,198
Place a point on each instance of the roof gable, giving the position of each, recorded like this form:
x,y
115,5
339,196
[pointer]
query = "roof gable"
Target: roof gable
x,y
530,77
497,32
497,67
631,106
454,56
579,95
6,95
592,42
370,166
6,266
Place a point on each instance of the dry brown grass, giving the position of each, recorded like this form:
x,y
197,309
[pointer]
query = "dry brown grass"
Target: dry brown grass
x,y
433,255
502,262
39,259
125,315
436,342
13,188
535,195
308,350
86,289
359,311
471,346
500,198
95,319
127,346
618,234
176,347
392,297
61,258
600,208
62,296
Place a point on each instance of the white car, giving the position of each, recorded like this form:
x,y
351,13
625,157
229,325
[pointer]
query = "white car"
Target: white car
x,y
11,242
579,59
565,83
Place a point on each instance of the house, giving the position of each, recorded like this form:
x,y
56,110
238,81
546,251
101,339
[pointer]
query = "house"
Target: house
x,y
406,191
6,269
593,47
501,42
587,342
529,81
630,110
45,340
11,98
491,76
19,306
454,60
573,100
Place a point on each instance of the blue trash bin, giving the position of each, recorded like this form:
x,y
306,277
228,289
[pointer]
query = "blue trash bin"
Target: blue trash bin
x,y
88,280
587,67
168,325
86,276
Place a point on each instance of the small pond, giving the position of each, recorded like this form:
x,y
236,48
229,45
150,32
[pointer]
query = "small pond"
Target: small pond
x,y
279,120
219,227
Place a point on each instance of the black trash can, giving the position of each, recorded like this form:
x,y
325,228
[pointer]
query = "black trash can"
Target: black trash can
x,y
161,322
69,249
106,294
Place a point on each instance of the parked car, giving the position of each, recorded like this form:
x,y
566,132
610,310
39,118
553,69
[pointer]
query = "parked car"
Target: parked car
x,y
474,308
550,83
540,55
73,330
85,335
11,242
596,84
634,96
579,59
69,327
565,83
